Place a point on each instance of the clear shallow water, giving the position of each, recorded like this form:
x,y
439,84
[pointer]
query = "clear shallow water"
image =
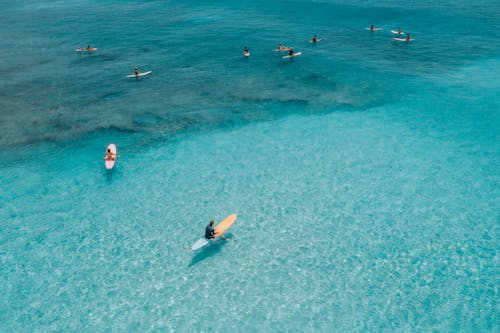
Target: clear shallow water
x,y
364,173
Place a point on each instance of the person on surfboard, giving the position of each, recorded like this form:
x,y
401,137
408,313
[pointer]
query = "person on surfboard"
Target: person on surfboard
x,y
407,36
246,50
315,39
136,71
210,231
283,48
109,155
290,53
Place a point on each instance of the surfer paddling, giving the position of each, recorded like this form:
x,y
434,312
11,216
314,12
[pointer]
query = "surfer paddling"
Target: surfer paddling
x,y
88,48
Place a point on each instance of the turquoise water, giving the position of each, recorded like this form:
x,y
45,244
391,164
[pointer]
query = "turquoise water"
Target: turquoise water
x,y
364,173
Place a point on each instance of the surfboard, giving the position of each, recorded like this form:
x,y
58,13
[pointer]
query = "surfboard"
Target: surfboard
x,y
293,55
202,242
374,29
224,225
218,231
140,74
403,39
398,33
84,49
110,163
246,54
317,40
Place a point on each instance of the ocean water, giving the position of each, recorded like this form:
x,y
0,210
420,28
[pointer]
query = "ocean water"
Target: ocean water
x,y
365,173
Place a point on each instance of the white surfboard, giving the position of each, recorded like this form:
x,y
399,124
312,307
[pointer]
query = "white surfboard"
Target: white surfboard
x,y
111,163
246,54
84,49
292,56
140,74
398,33
316,41
202,242
374,29
403,39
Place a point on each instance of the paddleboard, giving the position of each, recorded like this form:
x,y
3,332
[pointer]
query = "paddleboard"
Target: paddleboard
x,y
374,29
140,74
317,40
110,163
403,39
218,231
84,49
293,55
398,33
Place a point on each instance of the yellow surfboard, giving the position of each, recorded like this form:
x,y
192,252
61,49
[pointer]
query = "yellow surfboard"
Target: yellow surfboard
x,y
218,231
224,225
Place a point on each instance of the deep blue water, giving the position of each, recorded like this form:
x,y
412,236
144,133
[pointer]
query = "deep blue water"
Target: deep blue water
x,y
364,173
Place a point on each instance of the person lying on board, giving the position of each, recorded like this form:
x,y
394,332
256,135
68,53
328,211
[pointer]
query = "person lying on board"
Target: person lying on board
x,y
283,48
